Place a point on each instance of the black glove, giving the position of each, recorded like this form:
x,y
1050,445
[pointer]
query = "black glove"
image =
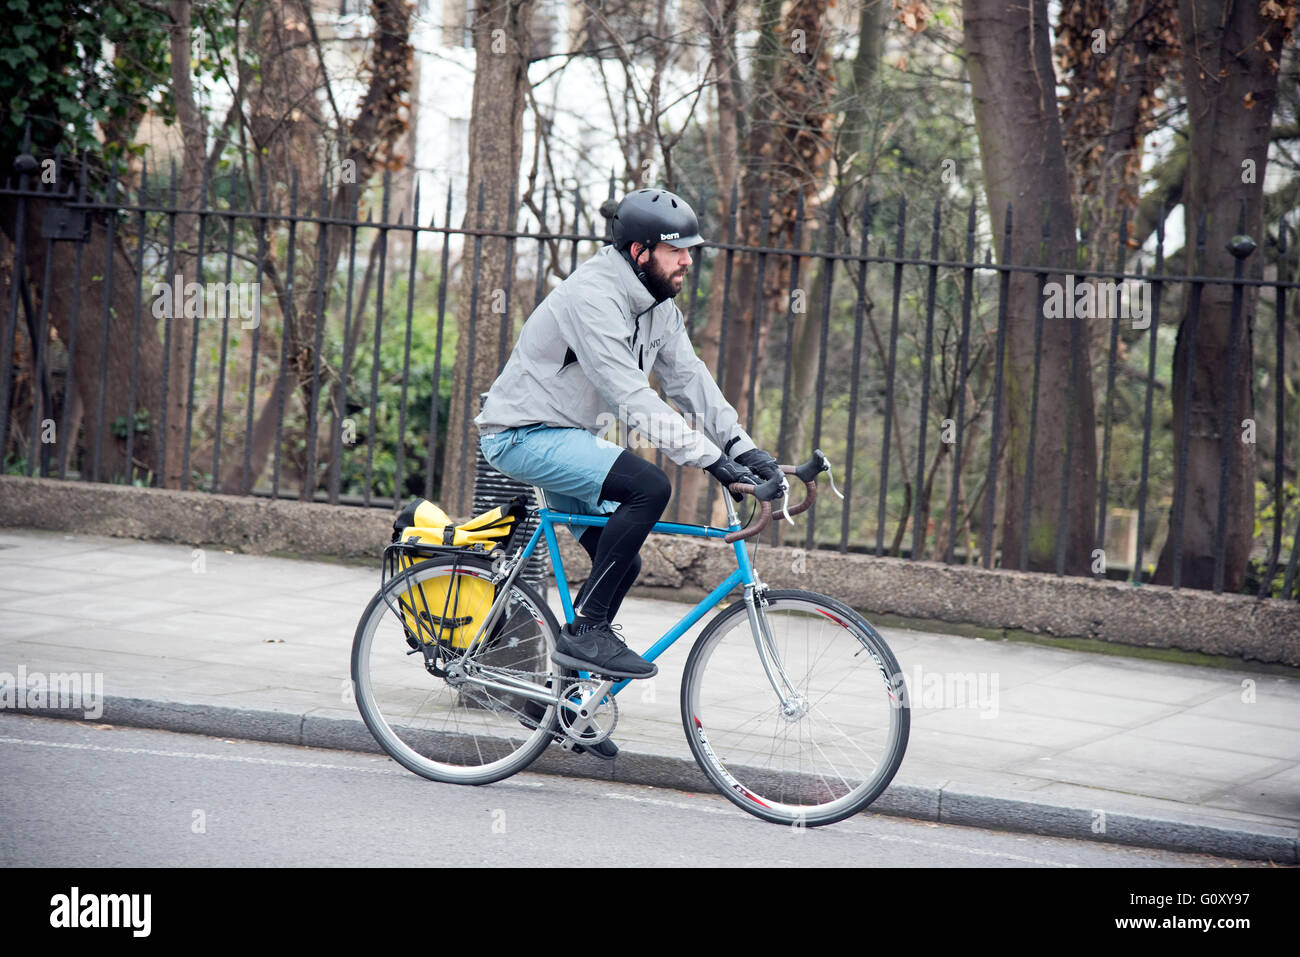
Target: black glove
x,y
761,464
727,472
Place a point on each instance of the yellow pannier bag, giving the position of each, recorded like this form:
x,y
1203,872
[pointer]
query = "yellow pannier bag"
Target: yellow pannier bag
x,y
447,609
483,532
450,609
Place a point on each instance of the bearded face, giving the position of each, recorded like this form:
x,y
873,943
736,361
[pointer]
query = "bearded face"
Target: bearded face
x,y
665,270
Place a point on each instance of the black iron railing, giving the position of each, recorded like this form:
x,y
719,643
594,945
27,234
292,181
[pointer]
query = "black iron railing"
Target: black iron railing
x,y
371,292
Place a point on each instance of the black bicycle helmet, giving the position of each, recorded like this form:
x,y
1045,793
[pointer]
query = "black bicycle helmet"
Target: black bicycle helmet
x,y
650,216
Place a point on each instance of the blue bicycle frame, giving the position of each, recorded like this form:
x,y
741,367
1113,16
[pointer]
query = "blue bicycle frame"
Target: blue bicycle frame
x,y
743,575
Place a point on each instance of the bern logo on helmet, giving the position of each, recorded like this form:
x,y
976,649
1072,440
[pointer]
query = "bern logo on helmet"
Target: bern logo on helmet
x,y
663,236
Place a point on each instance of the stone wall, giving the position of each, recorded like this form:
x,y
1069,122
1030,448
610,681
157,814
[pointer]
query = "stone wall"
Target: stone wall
x,y
1149,616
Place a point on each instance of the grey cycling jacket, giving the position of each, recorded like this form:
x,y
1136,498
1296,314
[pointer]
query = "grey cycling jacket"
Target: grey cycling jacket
x,y
585,356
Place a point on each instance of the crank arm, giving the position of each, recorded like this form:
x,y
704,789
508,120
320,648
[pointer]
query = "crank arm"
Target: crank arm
x,y
581,722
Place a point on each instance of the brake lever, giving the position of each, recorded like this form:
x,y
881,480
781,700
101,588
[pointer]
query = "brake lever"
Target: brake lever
x,y
831,477
785,501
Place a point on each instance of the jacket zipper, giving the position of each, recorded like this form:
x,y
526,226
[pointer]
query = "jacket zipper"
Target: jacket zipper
x,y
636,334
636,329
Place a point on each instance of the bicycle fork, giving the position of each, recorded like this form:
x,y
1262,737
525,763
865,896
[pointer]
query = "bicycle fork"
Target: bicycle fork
x,y
793,704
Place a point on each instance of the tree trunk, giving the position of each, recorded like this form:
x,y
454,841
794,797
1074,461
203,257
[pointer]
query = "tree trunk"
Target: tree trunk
x,y
693,487
1230,75
1013,88
1114,58
871,34
287,134
93,341
501,45
785,153
181,339
807,335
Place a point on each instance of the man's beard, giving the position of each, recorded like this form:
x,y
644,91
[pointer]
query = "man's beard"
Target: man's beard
x,y
659,285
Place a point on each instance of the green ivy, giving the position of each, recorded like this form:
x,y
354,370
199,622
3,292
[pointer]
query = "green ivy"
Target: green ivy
x,y
72,64
1264,515
142,424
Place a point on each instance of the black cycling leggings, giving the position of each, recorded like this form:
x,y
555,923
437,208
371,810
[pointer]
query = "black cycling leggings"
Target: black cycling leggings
x,y
643,490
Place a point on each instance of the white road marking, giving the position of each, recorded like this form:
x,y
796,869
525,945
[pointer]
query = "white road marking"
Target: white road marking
x,y
841,827
238,759
661,802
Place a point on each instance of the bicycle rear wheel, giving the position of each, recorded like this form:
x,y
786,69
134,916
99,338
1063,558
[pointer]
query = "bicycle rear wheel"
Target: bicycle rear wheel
x,y
448,727
820,751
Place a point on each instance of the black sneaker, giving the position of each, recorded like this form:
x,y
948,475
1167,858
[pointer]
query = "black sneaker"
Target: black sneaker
x,y
532,717
597,649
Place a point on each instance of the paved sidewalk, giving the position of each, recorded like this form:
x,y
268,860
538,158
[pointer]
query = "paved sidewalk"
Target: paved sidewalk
x,y
1062,742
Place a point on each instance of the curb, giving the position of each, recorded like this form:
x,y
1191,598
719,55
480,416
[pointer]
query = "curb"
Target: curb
x,y
939,804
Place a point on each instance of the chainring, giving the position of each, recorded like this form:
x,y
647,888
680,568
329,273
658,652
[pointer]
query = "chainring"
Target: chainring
x,y
600,723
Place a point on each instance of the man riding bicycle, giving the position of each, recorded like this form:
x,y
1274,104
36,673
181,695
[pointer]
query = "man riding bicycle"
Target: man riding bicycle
x,y
588,349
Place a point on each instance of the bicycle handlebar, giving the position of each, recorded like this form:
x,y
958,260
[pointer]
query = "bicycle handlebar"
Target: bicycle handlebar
x,y
806,473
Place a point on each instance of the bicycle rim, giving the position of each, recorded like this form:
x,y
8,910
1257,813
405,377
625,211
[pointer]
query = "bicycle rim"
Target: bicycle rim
x,y
845,738
456,732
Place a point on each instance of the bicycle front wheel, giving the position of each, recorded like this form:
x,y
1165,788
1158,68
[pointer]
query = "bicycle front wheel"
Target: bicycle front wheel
x,y
819,739
460,722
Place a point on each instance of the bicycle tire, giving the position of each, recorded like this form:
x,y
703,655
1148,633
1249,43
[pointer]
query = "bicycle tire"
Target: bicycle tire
x,y
792,769
455,734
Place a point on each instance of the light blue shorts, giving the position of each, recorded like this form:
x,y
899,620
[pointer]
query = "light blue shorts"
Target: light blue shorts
x,y
569,464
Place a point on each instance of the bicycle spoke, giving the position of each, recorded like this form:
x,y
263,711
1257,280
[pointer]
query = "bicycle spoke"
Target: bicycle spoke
x,y
439,720
847,675
832,764
852,740
826,646
817,753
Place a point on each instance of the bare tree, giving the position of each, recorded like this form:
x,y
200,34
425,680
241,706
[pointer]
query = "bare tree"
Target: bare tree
x,y
1115,56
292,140
1023,159
783,127
1231,59
501,47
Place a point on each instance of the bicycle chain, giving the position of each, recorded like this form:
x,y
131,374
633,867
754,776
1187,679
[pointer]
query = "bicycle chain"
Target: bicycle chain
x,y
484,697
